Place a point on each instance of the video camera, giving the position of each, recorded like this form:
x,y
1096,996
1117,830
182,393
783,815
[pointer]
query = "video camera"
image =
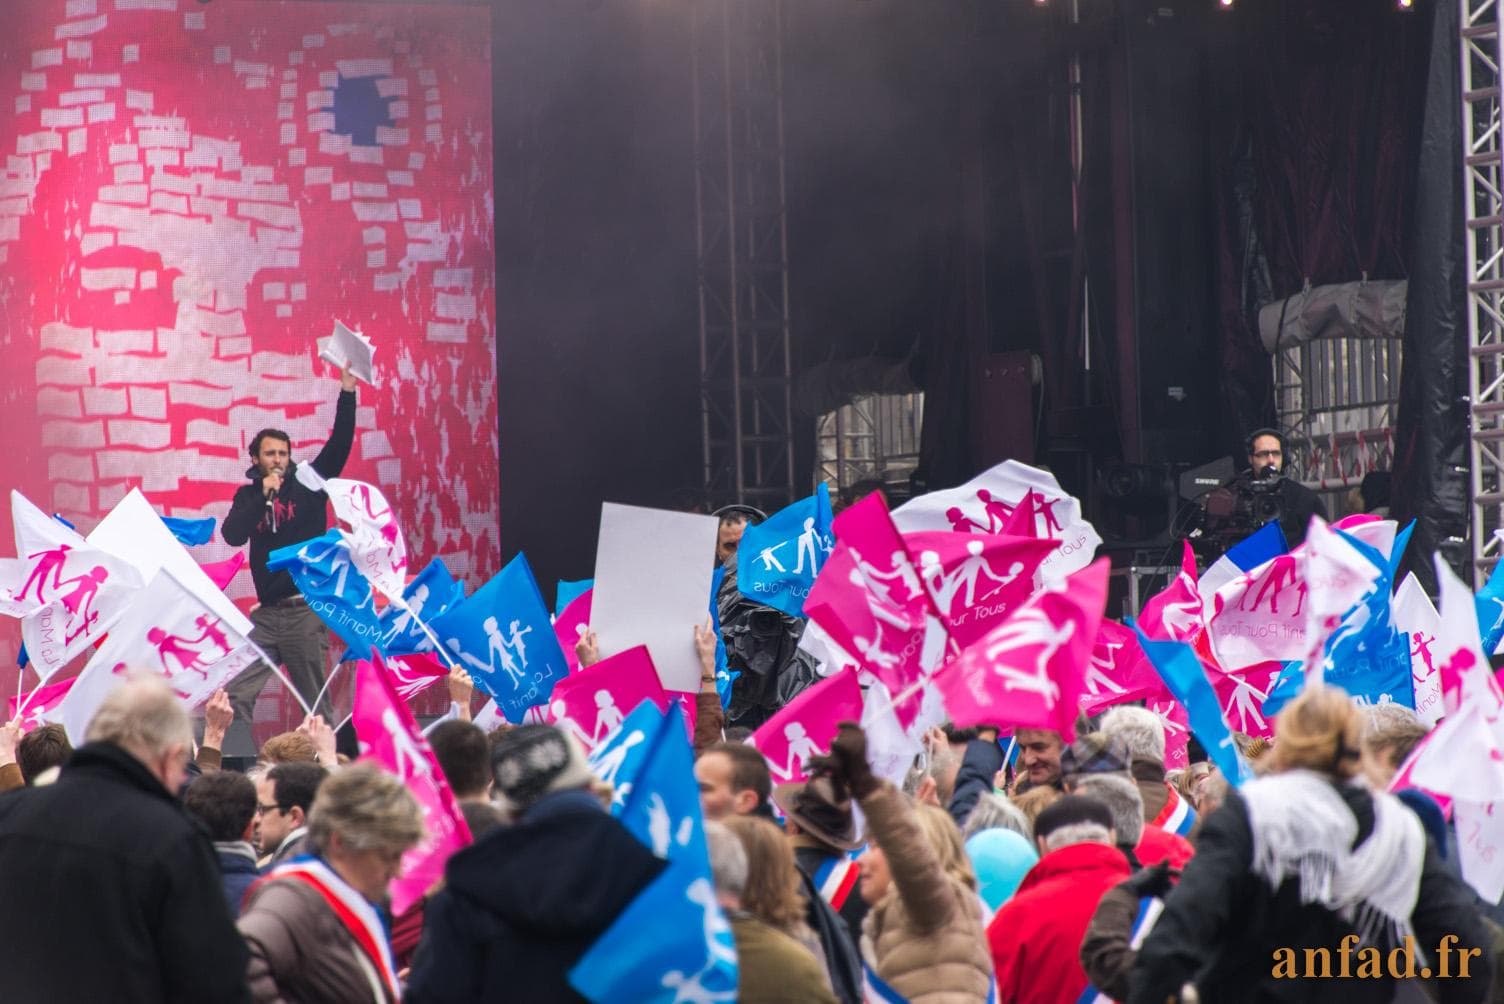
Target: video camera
x,y
1229,512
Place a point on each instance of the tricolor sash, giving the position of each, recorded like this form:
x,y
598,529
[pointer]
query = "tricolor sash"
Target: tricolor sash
x,y
835,878
1149,909
1177,816
356,912
875,991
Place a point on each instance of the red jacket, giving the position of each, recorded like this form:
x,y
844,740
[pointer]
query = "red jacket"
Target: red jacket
x,y
1036,937
1157,844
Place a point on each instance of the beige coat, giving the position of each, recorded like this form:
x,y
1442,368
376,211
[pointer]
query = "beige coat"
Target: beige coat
x,y
925,937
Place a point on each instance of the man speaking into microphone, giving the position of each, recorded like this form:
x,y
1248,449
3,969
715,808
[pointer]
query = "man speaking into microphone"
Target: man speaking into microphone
x,y
278,510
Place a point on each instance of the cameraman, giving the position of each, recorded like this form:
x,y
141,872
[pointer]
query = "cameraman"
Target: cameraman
x,y
1284,498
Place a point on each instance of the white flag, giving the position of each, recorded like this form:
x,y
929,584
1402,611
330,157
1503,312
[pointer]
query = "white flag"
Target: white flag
x,y
377,547
1413,613
165,630
983,505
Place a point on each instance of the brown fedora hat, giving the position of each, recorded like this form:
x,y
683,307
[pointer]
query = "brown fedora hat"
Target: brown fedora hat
x,y
815,806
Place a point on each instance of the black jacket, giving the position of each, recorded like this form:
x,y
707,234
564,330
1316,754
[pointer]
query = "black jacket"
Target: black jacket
x,y
840,933
978,767
111,892
1297,504
302,513
522,904
1222,924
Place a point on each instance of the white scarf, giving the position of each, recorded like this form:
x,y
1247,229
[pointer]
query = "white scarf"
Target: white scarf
x,y
1303,828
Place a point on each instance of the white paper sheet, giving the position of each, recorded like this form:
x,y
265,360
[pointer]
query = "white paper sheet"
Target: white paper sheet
x,y
349,346
652,586
135,533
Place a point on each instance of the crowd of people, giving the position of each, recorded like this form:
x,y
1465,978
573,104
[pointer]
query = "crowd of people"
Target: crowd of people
x,y
136,868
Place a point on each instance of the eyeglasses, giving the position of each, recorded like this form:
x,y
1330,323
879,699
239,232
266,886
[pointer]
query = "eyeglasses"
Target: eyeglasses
x,y
1268,455
262,810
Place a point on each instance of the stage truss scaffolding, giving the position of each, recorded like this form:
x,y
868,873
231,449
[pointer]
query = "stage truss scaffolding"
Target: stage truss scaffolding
x,y
1483,184
742,270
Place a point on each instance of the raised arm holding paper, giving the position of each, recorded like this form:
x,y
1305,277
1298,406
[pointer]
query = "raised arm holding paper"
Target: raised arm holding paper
x,y
277,509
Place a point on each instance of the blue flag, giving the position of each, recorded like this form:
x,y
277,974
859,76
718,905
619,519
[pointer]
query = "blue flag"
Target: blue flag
x,y
335,589
431,592
1258,547
1490,601
673,942
1285,688
567,592
504,637
619,758
1366,656
778,559
724,677
191,532
1178,665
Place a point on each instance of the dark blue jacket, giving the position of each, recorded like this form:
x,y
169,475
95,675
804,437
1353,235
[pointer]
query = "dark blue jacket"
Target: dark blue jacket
x,y
237,872
522,904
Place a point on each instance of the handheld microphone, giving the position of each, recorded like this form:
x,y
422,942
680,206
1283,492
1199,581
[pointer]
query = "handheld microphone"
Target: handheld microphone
x,y
271,499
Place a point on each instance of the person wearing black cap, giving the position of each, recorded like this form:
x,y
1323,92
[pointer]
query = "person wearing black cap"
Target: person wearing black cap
x,y
1267,464
523,903
1036,936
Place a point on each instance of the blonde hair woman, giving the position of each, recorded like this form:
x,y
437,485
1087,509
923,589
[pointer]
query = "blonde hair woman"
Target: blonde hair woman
x,y
1306,864
773,891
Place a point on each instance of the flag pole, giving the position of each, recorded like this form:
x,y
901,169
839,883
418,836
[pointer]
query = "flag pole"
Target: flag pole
x,y
280,675
327,680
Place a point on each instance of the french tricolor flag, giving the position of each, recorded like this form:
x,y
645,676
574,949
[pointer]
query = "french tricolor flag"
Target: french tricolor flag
x,y
1244,556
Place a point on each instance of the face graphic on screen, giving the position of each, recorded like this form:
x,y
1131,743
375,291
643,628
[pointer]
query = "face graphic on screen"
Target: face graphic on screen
x,y
191,196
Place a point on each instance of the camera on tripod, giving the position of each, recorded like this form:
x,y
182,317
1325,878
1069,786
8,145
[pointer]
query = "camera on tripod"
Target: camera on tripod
x,y
1233,511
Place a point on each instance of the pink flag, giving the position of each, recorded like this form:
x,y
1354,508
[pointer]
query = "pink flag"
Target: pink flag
x,y
1119,671
1030,671
221,572
974,580
377,546
593,701
806,725
570,626
389,738
37,705
410,675
166,630
1174,614
1242,694
1177,729
884,632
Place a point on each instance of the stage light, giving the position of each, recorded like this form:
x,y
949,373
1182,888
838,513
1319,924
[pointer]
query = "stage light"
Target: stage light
x,y
1225,4
1406,6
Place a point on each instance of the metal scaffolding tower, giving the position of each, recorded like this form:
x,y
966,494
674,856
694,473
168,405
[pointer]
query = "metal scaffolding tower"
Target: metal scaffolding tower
x,y
742,252
1484,203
